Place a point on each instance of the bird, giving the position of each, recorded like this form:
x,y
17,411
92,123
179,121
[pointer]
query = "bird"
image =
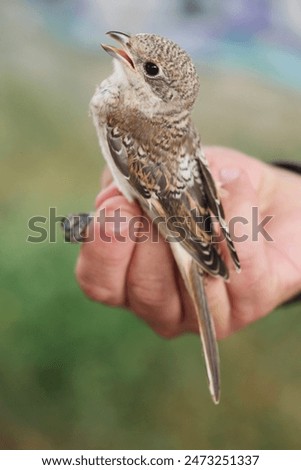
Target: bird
x,y
142,116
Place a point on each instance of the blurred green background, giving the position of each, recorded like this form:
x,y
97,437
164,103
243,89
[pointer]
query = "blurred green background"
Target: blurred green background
x,y
79,375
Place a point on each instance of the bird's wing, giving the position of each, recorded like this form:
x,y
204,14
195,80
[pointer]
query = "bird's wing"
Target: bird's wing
x,y
121,146
193,228
215,204
177,197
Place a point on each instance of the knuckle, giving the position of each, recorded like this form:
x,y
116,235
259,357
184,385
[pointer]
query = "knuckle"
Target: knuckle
x,y
97,293
166,331
106,296
100,294
149,292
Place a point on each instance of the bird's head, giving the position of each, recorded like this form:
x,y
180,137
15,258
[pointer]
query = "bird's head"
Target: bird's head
x,y
159,65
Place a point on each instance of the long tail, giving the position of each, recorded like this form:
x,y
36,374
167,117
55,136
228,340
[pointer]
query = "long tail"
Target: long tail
x,y
206,328
194,282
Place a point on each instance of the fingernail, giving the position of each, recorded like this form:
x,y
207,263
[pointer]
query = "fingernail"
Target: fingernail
x,y
227,175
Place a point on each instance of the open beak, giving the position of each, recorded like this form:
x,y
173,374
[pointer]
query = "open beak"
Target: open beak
x,y
120,54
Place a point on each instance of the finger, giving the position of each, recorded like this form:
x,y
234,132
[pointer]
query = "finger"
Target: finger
x,y
103,261
223,157
110,191
284,249
247,290
152,289
105,178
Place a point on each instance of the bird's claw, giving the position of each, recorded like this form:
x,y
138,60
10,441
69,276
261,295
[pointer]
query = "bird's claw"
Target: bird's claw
x,y
74,227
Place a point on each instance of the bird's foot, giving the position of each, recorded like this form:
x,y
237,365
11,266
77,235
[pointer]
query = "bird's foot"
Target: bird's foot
x,y
75,226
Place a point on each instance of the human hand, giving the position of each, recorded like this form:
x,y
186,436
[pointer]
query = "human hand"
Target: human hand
x,y
143,276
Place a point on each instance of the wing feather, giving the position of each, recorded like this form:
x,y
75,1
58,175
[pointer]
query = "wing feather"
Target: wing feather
x,y
186,204
215,205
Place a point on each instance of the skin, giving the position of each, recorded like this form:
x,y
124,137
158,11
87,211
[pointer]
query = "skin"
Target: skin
x,y
144,278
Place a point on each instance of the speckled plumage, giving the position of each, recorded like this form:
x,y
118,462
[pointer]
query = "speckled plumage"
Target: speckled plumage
x,y
154,152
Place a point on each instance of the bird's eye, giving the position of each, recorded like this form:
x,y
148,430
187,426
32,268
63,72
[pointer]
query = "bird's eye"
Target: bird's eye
x,y
151,69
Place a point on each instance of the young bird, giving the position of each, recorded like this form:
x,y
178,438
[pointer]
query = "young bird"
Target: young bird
x,y
142,114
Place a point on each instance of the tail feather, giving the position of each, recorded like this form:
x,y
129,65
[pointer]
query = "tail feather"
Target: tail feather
x,y
194,282
207,331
